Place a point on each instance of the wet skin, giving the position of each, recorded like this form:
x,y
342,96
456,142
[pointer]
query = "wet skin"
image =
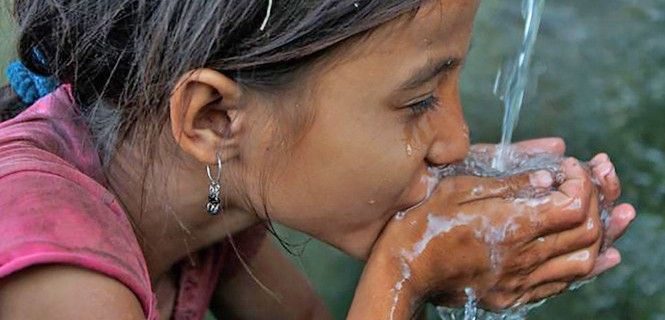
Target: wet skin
x,y
380,112
366,154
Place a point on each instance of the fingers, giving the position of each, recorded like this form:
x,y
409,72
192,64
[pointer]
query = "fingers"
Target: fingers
x,y
557,213
555,245
531,147
620,218
532,216
578,182
576,203
499,300
598,159
604,173
470,188
543,292
545,145
566,268
607,260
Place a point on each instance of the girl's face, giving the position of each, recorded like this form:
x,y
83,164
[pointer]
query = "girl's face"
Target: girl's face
x,y
385,110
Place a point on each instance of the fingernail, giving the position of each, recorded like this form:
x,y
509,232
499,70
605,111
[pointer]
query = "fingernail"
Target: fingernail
x,y
541,179
627,215
570,161
613,254
600,158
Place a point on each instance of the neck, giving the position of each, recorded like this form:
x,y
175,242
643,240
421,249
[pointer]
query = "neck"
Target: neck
x,y
169,219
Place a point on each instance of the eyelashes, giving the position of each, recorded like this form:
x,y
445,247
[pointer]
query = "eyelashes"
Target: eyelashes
x,y
430,103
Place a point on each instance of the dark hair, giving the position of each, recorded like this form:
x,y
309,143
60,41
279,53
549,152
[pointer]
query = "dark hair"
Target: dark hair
x,y
123,57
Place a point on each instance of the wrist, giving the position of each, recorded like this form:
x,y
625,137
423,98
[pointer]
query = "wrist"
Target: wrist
x,y
385,290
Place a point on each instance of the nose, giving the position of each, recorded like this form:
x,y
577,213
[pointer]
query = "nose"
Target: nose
x,y
450,142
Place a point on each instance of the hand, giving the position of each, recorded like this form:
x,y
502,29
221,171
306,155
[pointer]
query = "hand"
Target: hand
x,y
473,233
461,257
604,175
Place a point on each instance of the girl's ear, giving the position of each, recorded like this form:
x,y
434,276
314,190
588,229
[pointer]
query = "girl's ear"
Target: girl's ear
x,y
205,120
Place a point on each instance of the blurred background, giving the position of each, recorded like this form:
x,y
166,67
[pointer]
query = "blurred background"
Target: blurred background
x,y
599,82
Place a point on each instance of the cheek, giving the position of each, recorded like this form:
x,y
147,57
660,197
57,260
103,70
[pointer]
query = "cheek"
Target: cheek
x,y
343,177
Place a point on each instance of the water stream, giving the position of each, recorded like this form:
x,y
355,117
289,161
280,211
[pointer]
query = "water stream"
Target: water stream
x,y
512,79
510,87
480,163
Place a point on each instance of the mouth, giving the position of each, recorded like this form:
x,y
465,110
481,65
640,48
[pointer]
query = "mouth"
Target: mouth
x,y
421,190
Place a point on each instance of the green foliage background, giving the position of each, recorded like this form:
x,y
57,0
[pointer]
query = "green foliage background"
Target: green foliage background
x,y
599,82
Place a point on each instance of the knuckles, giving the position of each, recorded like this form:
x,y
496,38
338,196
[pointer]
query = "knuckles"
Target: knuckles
x,y
578,210
527,262
592,235
513,284
522,255
586,267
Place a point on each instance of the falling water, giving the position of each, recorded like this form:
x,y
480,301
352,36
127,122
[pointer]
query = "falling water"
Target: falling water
x,y
510,86
511,80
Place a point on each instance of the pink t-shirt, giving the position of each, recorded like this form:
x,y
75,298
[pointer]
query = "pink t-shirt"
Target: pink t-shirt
x,y
55,209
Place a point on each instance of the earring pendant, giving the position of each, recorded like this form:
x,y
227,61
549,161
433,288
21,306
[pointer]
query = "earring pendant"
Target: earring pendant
x,y
214,199
214,205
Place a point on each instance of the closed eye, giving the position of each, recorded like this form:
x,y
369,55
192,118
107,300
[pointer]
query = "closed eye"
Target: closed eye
x,y
430,103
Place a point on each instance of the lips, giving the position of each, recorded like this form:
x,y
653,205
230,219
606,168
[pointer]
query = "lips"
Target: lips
x,y
419,190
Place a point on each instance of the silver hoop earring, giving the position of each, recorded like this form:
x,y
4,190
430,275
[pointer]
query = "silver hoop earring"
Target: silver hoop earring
x,y
214,205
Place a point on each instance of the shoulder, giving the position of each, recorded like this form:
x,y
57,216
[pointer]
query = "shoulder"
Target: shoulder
x,y
50,135
49,219
61,201
61,292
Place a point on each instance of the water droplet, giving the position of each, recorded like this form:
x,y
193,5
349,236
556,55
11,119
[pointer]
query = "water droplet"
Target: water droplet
x,y
466,132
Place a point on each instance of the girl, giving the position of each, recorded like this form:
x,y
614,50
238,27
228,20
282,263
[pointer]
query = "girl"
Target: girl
x,y
182,128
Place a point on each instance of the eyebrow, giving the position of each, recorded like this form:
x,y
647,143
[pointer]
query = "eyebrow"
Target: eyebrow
x,y
429,71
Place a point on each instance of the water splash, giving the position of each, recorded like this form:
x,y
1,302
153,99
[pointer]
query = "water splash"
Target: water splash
x,y
472,312
512,79
510,86
480,163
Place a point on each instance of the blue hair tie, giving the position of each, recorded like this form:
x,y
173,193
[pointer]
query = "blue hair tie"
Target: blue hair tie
x,y
29,87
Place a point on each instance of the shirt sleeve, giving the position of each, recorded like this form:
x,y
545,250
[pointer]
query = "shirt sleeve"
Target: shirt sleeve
x,y
49,218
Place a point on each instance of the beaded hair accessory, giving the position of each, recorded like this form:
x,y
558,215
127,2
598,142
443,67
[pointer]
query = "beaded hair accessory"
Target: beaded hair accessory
x,y
29,86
